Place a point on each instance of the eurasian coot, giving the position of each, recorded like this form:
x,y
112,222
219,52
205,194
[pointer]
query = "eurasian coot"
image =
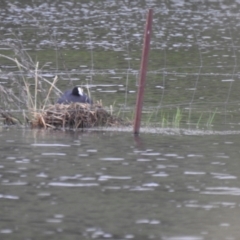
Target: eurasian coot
x,y
74,95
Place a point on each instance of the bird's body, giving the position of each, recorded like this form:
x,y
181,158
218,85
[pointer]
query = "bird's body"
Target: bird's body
x,y
74,95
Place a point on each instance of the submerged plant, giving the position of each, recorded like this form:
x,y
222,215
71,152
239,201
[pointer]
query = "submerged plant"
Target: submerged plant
x,y
210,118
164,120
174,118
177,118
199,120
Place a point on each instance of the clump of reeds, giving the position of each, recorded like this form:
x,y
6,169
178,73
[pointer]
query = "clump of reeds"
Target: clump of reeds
x,y
33,96
74,115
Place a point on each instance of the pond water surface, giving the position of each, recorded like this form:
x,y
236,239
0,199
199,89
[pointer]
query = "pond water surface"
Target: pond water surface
x,y
175,183
110,185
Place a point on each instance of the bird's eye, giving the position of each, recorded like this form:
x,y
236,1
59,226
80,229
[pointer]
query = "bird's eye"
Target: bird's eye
x,y
80,91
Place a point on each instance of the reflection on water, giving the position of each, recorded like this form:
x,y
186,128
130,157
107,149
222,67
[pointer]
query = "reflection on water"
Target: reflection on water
x,y
105,185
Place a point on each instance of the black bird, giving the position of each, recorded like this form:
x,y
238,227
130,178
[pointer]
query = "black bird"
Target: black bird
x,y
74,95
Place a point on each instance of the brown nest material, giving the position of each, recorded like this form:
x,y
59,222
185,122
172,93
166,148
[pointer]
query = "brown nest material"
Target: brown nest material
x,y
74,115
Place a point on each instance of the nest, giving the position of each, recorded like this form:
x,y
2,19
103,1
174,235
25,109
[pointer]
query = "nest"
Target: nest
x,y
74,115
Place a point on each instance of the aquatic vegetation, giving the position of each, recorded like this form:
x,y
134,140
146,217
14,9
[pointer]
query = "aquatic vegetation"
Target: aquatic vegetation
x,y
39,110
35,106
179,117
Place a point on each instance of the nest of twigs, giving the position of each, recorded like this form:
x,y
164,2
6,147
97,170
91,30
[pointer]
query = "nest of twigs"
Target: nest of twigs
x,y
74,115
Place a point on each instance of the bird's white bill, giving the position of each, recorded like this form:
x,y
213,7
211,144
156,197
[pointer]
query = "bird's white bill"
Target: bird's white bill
x,y
80,91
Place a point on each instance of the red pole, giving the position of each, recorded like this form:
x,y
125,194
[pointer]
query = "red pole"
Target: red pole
x,y
143,71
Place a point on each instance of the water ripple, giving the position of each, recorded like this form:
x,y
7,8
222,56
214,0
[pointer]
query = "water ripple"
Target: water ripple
x,y
19,183
151,184
112,159
147,221
107,177
54,154
9,196
141,189
150,154
160,174
223,176
194,173
222,191
6,231
49,145
183,238
60,184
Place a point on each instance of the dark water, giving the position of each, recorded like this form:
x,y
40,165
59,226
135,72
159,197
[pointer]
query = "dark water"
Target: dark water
x,y
171,183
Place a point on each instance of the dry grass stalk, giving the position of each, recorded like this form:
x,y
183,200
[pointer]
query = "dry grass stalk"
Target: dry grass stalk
x,y
8,119
74,115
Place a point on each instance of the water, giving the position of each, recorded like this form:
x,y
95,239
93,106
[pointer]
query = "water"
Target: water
x,y
193,60
170,183
109,185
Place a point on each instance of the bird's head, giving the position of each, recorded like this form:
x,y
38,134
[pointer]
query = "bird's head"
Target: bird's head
x,y
80,91
77,91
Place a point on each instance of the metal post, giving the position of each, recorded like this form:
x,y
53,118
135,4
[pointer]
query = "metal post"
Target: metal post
x,y
143,71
